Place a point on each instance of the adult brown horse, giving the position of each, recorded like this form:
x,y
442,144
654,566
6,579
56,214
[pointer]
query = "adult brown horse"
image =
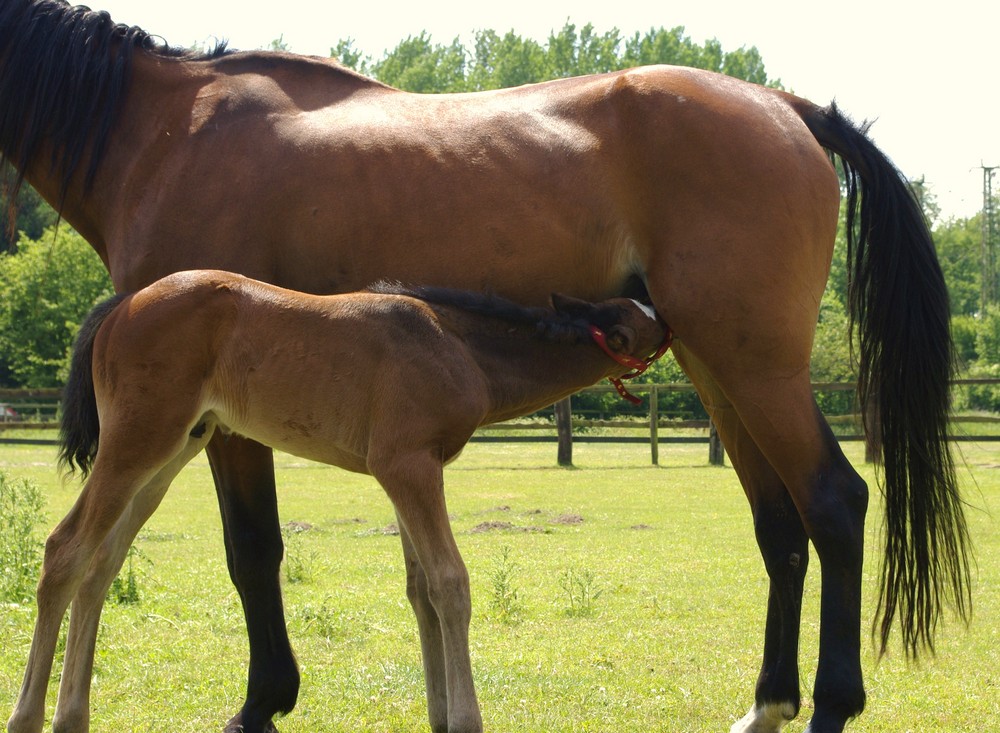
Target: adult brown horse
x,y
391,383
715,196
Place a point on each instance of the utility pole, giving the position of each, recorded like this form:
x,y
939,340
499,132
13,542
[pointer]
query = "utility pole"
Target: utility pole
x,y
988,289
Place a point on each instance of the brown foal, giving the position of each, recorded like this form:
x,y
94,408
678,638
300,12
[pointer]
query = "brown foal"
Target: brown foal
x,y
390,382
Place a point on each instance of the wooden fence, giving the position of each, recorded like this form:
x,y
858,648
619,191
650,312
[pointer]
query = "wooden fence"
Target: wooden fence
x,y
39,409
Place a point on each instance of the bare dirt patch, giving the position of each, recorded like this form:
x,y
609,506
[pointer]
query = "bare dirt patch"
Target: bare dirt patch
x,y
568,519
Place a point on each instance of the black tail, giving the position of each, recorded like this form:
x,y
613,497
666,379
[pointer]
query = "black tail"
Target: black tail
x,y
80,429
899,304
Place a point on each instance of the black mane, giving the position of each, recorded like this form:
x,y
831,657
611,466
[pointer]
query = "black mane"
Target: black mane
x,y
547,324
63,74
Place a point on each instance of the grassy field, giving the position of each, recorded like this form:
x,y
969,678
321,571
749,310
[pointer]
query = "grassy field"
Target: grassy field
x,y
668,639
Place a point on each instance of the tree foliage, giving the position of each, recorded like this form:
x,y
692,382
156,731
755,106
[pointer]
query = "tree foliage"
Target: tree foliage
x,y
49,286
958,247
494,61
27,212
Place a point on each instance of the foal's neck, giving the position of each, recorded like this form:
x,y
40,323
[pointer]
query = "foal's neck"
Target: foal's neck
x,y
526,373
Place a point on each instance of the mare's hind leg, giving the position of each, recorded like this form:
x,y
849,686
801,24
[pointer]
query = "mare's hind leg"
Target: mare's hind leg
x,y
781,417
784,547
429,627
73,706
244,481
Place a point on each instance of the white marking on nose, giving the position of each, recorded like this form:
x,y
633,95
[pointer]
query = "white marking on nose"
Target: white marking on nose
x,y
644,308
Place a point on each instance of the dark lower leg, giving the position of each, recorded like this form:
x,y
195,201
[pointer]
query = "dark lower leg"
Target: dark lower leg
x,y
785,549
835,522
244,478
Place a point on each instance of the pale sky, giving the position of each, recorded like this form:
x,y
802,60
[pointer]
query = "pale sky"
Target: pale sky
x,y
928,72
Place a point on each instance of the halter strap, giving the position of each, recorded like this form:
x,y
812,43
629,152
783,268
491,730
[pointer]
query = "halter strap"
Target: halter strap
x,y
638,366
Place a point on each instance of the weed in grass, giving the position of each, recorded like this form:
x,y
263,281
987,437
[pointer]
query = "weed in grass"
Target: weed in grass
x,y
582,592
299,562
20,544
124,590
323,619
505,601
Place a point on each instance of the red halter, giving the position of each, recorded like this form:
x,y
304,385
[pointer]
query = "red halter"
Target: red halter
x,y
638,366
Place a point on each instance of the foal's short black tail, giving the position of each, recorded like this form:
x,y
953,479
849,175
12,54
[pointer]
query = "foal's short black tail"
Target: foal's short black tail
x,y
80,428
899,305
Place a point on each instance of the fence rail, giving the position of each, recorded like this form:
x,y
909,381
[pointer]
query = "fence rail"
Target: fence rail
x,y
38,409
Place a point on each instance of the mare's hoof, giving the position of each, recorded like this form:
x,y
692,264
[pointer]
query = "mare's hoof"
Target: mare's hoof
x,y
235,725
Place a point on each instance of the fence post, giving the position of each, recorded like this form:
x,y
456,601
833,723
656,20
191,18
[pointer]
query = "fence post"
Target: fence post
x,y
564,431
654,426
716,453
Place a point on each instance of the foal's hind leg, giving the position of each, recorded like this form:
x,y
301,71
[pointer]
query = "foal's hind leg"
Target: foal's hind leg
x,y
429,627
69,551
244,481
73,707
784,548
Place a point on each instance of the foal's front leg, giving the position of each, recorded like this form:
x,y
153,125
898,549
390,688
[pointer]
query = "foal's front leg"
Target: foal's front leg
x,y
429,627
415,485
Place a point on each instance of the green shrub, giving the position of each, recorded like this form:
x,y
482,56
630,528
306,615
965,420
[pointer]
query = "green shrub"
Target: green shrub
x,y
21,545
49,285
505,600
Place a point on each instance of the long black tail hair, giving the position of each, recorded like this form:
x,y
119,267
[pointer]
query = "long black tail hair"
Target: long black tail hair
x,y
80,430
899,306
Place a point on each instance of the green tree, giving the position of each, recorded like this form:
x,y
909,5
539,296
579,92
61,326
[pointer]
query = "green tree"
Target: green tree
x,y
831,355
417,65
958,247
26,212
747,63
497,61
49,286
572,54
347,54
986,362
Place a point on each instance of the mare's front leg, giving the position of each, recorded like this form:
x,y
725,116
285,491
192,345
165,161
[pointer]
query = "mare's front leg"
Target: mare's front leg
x,y
415,485
244,481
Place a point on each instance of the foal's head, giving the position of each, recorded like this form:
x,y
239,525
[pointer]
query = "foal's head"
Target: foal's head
x,y
630,332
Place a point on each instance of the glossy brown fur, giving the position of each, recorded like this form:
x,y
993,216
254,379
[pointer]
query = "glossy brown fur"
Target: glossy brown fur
x,y
384,384
718,197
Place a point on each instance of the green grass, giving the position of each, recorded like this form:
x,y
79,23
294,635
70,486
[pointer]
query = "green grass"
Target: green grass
x,y
672,641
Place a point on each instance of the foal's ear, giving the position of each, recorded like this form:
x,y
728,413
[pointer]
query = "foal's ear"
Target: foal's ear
x,y
572,307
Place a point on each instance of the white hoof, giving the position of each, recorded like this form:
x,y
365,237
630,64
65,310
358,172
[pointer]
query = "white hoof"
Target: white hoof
x,y
769,718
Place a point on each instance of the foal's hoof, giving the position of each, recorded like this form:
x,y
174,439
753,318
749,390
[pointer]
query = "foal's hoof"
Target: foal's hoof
x,y
235,725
